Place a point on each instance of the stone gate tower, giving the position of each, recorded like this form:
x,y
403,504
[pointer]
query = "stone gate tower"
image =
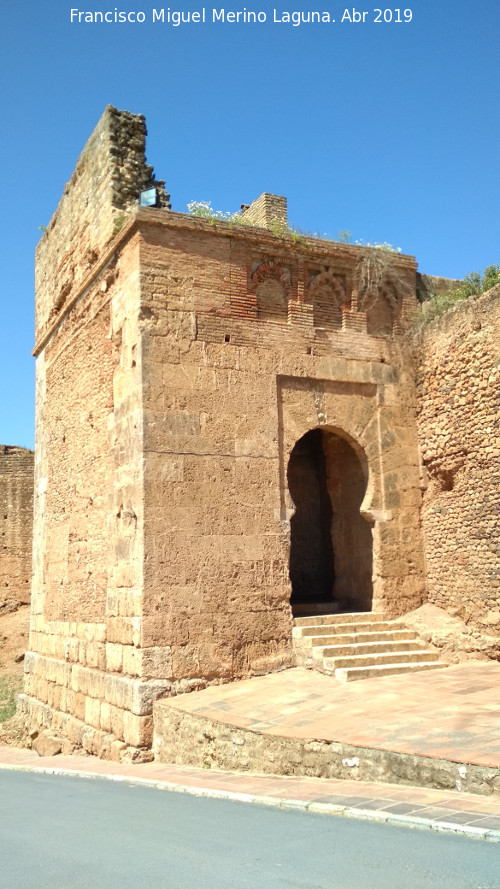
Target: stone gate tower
x,y
225,434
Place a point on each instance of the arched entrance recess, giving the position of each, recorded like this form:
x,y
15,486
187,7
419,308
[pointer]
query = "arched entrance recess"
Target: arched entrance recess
x,y
330,541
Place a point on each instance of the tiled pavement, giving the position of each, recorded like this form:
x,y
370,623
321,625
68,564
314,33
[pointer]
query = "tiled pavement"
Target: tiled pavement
x,y
467,814
453,713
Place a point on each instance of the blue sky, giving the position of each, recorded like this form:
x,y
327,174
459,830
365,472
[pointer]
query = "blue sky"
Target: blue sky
x,y
387,130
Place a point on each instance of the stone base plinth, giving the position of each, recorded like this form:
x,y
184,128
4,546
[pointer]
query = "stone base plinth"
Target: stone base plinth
x,y
109,715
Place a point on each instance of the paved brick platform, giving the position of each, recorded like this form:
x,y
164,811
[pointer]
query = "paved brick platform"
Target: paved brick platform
x,y
445,811
428,722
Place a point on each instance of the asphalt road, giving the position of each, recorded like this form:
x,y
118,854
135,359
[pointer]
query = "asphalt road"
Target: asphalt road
x,y
69,833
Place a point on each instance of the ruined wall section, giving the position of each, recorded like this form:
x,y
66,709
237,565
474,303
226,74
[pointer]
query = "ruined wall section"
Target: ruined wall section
x,y
110,173
459,428
267,211
88,489
16,522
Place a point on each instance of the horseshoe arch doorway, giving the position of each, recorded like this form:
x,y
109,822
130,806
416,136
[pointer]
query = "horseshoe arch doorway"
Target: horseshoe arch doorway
x,y
331,546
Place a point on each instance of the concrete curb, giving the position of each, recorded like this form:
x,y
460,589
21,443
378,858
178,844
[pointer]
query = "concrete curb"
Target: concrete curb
x,y
375,815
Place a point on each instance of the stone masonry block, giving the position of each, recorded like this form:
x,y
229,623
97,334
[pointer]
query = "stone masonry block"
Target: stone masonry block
x,y
105,716
95,655
138,730
157,663
116,716
132,661
114,657
118,690
42,689
93,712
123,630
144,694
79,705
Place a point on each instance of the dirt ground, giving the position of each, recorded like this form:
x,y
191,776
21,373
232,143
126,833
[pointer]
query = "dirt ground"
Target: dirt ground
x,y
14,634
452,639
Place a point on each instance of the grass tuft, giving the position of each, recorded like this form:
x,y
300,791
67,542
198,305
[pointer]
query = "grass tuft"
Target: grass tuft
x,y
9,690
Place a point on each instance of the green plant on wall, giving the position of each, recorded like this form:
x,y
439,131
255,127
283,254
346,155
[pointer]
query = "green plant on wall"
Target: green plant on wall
x,y
118,223
473,285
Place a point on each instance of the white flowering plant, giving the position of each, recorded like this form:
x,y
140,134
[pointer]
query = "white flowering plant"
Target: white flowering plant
x,y
389,248
204,210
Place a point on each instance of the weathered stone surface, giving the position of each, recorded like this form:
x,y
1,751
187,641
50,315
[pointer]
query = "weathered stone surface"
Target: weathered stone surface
x,y
47,745
193,740
459,402
16,520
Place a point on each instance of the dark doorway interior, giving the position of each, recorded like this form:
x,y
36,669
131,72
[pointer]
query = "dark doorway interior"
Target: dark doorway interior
x,y
331,543
311,548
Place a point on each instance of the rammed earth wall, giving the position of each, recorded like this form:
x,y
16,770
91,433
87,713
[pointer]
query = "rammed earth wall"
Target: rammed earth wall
x,y
16,522
459,430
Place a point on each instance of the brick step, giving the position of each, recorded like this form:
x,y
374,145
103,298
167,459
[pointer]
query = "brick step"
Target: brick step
x,y
351,628
369,660
368,648
388,636
344,618
350,674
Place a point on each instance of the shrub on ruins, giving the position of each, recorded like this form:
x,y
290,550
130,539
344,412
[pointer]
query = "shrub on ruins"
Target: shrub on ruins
x,y
491,277
472,286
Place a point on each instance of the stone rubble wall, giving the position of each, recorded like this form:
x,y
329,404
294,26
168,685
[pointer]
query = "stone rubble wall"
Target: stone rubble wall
x,y
429,285
16,523
193,740
459,431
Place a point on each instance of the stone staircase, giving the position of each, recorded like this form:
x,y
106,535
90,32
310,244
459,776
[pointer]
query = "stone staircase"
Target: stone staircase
x,y
359,646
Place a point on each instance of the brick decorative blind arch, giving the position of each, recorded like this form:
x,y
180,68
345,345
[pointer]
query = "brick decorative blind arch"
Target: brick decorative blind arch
x,y
382,307
272,289
328,295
